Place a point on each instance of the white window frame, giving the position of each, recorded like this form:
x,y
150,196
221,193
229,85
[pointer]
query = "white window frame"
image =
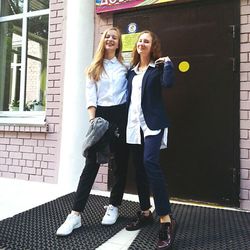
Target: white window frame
x,y
23,117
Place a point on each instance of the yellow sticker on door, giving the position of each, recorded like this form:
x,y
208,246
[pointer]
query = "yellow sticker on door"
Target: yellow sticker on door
x,y
184,66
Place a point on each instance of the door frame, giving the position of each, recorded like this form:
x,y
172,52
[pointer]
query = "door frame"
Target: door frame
x,y
236,85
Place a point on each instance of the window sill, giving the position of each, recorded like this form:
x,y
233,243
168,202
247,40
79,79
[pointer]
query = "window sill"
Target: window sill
x,y
23,121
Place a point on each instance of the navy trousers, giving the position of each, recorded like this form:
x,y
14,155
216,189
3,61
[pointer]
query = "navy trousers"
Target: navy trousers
x,y
141,178
156,178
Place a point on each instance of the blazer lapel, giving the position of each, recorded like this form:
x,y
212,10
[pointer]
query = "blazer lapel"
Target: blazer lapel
x,y
144,80
130,79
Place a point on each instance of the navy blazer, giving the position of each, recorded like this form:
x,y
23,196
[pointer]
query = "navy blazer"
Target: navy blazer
x,y
151,97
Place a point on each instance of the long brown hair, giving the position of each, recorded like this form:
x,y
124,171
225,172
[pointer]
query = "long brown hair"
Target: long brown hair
x,y
95,69
155,48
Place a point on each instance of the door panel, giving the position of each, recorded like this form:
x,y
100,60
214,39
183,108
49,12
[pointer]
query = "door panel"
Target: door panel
x,y
202,159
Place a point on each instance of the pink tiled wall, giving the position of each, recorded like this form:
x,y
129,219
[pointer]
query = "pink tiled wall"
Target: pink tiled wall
x,y
31,152
102,22
101,181
245,105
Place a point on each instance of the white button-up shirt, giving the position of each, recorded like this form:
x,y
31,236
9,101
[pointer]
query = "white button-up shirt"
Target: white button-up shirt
x,y
111,89
135,115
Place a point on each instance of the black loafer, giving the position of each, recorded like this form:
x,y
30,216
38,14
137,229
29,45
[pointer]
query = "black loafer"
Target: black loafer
x,y
140,221
166,235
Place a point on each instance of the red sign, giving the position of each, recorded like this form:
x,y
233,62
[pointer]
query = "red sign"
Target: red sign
x,y
113,5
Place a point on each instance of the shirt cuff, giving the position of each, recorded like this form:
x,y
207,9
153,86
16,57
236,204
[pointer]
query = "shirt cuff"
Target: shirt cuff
x,y
91,105
167,59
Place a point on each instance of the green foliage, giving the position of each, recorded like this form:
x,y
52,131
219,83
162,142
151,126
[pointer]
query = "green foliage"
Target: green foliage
x,y
14,103
32,104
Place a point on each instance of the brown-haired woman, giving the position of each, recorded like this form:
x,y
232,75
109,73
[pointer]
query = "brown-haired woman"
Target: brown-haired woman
x,y
148,126
106,92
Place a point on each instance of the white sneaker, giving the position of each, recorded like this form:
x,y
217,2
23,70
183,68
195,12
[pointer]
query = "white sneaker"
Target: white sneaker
x,y
110,216
72,222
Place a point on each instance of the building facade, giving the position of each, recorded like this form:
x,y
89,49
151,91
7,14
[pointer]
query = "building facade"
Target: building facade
x,y
45,146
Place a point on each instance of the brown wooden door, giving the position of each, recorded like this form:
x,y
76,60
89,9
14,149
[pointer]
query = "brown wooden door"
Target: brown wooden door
x,y
202,159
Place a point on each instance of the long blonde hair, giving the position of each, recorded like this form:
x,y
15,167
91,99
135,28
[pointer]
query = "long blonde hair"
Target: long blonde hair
x,y
96,68
155,49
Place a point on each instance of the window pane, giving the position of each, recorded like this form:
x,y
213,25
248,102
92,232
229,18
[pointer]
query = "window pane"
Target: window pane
x,y
10,64
37,62
11,7
38,5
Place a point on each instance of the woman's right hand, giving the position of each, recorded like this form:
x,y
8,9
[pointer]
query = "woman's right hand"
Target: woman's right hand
x,y
162,60
91,112
91,120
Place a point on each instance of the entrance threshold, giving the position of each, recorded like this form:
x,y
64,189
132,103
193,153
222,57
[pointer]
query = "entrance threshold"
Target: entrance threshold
x,y
206,204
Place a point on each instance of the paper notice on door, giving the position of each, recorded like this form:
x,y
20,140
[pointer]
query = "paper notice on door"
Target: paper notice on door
x,y
128,41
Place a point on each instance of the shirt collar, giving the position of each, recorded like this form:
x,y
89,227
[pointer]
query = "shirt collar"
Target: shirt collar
x,y
113,60
151,64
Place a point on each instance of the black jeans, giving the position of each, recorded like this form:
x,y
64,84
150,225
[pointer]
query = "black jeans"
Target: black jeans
x,y
116,115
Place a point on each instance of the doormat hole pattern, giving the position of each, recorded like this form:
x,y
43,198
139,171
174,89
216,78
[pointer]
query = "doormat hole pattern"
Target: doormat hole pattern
x,y
201,228
35,228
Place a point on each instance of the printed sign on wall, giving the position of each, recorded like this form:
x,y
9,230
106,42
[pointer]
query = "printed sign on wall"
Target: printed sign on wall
x,y
113,5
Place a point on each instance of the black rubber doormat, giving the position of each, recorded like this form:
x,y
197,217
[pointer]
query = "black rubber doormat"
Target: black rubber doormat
x,y
201,228
35,229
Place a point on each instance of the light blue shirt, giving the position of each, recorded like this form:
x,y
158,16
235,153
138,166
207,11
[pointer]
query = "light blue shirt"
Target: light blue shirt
x,y
111,89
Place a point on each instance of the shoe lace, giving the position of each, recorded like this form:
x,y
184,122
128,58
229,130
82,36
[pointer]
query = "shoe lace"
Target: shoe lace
x,y
69,220
164,232
108,208
162,235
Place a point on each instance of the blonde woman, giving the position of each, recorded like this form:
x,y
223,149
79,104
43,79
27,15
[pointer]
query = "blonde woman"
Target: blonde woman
x,y
106,92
